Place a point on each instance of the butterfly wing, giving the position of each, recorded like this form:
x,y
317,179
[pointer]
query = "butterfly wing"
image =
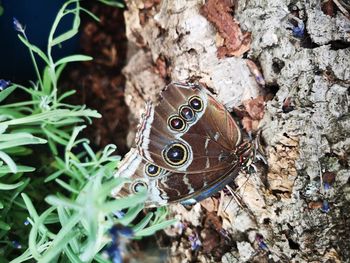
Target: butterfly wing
x,y
188,131
166,187
185,148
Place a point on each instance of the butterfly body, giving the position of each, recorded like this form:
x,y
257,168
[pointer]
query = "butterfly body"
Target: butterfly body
x,y
188,147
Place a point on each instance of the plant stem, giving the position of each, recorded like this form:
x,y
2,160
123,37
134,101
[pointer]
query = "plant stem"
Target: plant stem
x,y
34,63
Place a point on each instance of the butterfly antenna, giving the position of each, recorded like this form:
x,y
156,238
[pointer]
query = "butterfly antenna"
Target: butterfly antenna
x,y
235,196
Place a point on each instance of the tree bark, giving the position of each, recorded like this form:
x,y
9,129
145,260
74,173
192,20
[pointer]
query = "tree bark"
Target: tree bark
x,y
296,210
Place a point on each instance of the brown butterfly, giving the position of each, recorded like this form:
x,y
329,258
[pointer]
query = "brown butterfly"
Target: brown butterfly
x,y
188,147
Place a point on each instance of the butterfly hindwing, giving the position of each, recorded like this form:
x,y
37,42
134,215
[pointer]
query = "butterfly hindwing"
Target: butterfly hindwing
x,y
166,187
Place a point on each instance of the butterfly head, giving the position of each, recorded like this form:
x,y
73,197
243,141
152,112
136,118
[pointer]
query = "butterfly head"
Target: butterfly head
x,y
250,152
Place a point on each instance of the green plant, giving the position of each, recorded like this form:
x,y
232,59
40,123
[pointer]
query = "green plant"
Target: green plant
x,y
43,118
86,213
73,226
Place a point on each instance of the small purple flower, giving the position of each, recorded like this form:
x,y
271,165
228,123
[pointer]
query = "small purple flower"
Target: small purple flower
x,y
179,227
4,84
18,26
26,223
297,25
299,30
116,232
327,186
262,245
328,179
325,206
195,242
16,244
114,254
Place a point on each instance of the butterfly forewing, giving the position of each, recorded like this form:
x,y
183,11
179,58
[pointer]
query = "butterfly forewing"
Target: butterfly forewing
x,y
188,131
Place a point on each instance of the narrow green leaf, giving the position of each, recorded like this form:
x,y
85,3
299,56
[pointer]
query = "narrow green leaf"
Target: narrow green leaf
x,y
143,223
61,240
59,70
8,160
73,137
54,176
47,81
68,121
21,141
58,114
62,201
3,128
35,49
52,136
4,226
63,37
19,151
20,169
10,186
30,207
66,94
154,228
131,215
64,218
77,171
16,136
124,202
6,92
53,147
63,133
73,58
90,152
67,186
73,255
90,14
37,226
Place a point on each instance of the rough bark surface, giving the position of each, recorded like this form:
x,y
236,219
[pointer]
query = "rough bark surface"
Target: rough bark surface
x,y
297,210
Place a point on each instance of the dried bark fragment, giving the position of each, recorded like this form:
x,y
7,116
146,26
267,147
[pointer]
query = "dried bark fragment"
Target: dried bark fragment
x,y
255,107
282,171
251,112
235,42
256,72
210,204
328,7
161,67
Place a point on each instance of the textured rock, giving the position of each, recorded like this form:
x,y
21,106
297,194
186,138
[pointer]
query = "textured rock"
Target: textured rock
x,y
295,215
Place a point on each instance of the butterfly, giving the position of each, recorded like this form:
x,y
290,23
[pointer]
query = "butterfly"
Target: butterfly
x,y
188,147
